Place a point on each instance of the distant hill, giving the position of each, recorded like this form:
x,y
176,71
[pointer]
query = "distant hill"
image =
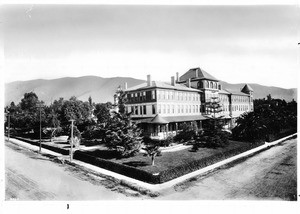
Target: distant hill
x,y
103,89
100,89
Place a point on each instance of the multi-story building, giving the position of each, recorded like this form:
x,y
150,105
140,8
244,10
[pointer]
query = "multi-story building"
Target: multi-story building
x,y
160,108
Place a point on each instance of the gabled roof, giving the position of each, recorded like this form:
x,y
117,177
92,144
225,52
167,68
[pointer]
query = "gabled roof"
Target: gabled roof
x,y
197,73
158,84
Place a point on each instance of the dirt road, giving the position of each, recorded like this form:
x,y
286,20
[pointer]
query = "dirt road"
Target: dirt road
x,y
269,175
30,176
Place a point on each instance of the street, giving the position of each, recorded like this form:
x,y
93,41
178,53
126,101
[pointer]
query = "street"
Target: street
x,y
30,176
269,175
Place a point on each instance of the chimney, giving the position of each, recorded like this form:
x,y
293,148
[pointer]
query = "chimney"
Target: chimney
x,y
172,80
177,77
197,73
148,80
188,82
125,86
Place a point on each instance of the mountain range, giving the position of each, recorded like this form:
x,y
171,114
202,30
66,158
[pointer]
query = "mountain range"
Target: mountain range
x,y
102,89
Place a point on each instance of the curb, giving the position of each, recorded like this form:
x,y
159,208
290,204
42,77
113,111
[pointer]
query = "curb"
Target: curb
x,y
153,189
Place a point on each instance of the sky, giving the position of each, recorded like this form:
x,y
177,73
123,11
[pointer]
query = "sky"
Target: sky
x,y
236,44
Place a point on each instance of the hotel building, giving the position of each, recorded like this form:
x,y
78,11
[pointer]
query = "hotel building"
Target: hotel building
x,y
160,108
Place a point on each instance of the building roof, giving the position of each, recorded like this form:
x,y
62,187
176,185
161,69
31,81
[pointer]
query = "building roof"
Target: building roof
x,y
158,84
197,73
171,119
238,93
158,120
224,91
247,88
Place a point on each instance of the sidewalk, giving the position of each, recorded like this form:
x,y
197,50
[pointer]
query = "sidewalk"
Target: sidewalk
x,y
155,187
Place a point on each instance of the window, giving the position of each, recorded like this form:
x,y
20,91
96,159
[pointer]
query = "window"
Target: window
x,y
132,110
159,109
144,110
206,84
178,109
168,109
182,109
153,95
173,109
141,110
158,92
136,110
211,85
153,109
190,109
141,96
167,96
164,109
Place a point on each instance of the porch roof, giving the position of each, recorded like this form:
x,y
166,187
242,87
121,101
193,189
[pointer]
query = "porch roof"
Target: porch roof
x,y
171,119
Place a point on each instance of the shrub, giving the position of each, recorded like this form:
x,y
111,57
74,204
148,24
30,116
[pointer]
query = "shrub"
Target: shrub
x,y
186,134
168,141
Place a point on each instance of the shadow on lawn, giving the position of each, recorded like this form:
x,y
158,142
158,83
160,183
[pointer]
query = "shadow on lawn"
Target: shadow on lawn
x,y
136,163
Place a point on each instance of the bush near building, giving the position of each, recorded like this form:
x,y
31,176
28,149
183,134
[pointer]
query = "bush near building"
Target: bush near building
x,y
270,120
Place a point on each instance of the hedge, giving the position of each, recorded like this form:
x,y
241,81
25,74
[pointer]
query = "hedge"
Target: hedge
x,y
116,167
192,166
280,135
45,146
163,176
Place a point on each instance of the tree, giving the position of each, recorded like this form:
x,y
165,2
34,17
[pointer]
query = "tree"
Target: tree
x,y
122,99
270,118
123,136
90,101
77,110
29,102
102,112
152,151
213,134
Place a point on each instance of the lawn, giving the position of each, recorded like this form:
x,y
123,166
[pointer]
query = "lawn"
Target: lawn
x,y
167,160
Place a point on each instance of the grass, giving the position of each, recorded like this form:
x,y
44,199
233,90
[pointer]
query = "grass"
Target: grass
x,y
167,160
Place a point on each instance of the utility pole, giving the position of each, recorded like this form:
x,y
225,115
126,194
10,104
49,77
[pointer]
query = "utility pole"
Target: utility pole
x,y
8,130
71,149
40,147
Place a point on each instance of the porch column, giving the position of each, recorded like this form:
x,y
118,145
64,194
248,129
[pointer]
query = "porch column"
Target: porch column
x,y
176,127
200,124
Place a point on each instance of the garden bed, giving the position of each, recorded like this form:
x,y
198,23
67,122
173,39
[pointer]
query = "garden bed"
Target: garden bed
x,y
167,167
